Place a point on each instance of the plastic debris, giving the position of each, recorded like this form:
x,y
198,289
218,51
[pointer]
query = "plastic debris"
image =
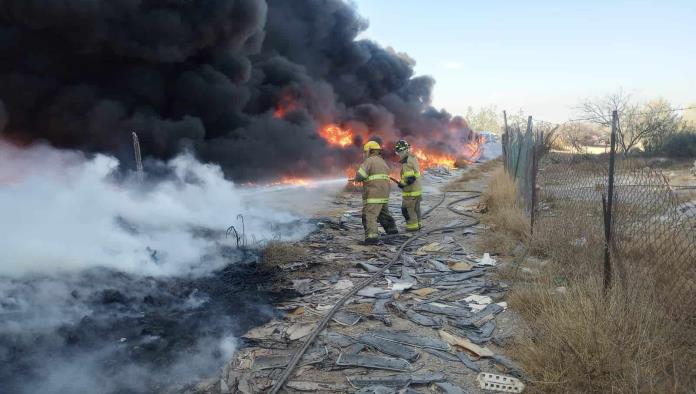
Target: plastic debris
x,y
478,299
368,267
399,380
372,361
481,317
274,361
346,318
502,383
468,362
400,284
442,354
297,331
354,348
343,284
373,292
460,277
447,388
423,320
413,340
376,390
337,339
315,386
442,309
487,260
263,332
438,266
388,347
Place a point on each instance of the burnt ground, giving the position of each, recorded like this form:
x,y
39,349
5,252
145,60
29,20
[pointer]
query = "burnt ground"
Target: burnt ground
x,y
129,334
444,270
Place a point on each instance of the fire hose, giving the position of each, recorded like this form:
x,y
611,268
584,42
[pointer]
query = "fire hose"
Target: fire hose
x,y
325,320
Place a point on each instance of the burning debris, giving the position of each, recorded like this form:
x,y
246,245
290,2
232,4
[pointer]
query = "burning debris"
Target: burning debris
x,y
242,83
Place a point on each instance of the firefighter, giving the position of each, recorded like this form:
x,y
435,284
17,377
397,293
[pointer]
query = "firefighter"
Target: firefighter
x,y
410,186
374,173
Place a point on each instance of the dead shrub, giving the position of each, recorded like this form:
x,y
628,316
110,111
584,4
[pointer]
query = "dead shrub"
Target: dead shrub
x,y
584,342
281,252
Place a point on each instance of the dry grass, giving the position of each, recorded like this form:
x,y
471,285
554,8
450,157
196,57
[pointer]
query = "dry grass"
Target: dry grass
x,y
472,174
583,342
638,338
508,223
279,252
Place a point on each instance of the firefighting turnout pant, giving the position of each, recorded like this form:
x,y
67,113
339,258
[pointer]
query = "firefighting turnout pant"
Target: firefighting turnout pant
x,y
411,209
373,214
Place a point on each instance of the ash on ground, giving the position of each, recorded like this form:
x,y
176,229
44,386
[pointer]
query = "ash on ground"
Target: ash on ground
x,y
104,331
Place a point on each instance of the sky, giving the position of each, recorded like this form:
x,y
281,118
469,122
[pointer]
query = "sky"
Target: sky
x,y
543,57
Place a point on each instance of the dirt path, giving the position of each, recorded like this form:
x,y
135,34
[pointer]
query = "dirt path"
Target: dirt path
x,y
452,301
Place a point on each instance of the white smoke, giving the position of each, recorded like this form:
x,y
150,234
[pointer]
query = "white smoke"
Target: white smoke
x,y
80,245
61,211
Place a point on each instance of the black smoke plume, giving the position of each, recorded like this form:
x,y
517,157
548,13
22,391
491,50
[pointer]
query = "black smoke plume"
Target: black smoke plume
x,y
209,76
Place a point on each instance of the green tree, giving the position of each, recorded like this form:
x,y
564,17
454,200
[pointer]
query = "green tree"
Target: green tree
x,y
484,119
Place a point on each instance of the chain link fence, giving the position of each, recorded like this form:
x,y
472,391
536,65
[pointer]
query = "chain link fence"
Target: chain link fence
x,y
610,216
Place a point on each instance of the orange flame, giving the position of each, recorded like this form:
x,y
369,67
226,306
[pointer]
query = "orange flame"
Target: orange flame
x,y
291,180
335,135
429,159
287,104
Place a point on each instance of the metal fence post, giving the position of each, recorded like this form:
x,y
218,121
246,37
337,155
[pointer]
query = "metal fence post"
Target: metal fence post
x,y
138,158
504,142
536,155
607,205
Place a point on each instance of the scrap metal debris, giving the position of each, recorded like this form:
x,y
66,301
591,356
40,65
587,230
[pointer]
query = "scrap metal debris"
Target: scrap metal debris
x,y
436,300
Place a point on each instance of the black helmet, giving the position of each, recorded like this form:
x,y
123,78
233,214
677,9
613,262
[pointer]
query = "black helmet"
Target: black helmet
x,y
401,146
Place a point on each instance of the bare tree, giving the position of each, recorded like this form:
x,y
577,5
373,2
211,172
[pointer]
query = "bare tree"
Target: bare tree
x,y
646,124
579,135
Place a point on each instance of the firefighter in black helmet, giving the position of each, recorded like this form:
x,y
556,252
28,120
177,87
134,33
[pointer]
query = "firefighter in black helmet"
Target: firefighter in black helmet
x,y
410,186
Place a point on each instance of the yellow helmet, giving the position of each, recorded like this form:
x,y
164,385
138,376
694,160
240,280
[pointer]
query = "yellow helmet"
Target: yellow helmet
x,y
371,145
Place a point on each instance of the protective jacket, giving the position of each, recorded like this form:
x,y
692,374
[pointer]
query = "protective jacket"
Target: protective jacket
x,y
410,177
374,173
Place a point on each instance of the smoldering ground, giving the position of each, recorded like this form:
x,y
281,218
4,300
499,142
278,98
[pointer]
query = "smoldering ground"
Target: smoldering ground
x,y
209,75
110,285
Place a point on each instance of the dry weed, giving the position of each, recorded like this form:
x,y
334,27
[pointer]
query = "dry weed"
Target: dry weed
x,y
585,342
508,223
638,338
280,252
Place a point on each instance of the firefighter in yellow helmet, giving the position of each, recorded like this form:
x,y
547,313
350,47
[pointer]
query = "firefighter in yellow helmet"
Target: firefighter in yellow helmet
x,y
410,185
374,173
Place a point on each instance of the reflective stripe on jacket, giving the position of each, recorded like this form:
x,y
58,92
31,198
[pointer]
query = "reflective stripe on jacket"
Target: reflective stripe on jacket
x,y
410,168
374,173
